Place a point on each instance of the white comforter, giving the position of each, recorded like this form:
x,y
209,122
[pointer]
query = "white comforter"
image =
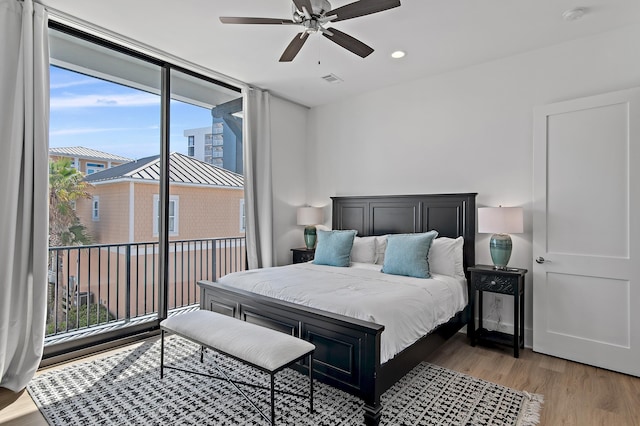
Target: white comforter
x,y
408,307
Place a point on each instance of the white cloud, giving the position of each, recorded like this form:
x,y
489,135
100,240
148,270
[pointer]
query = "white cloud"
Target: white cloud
x,y
72,84
88,101
85,130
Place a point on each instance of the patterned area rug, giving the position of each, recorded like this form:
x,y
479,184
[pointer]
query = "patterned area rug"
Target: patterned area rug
x,y
125,389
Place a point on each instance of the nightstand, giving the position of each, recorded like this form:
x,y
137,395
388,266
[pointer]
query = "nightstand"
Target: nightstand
x,y
301,255
508,281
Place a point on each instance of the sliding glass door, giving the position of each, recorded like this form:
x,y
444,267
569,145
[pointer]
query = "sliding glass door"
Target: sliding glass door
x,y
206,187
146,190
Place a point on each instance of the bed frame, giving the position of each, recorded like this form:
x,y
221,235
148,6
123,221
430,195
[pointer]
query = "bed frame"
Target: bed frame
x,y
347,352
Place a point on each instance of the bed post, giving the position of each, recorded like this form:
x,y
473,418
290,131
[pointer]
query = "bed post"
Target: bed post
x,y
372,413
372,388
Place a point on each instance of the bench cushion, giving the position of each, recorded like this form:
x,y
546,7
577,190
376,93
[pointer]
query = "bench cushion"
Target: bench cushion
x,y
257,345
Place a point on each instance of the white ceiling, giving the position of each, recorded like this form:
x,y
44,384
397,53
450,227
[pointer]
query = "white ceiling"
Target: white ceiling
x,y
438,36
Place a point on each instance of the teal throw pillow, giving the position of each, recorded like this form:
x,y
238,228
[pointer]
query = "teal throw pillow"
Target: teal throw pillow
x,y
407,254
334,247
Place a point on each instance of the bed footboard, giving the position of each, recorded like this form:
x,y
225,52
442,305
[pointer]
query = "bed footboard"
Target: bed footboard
x,y
347,354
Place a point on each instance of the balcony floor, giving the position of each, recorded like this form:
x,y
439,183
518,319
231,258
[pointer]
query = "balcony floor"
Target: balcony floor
x,y
115,325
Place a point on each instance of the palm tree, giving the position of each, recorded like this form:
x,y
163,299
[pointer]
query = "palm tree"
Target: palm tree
x,y
66,186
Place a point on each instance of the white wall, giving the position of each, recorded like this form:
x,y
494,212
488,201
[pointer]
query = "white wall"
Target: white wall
x,y
289,153
464,131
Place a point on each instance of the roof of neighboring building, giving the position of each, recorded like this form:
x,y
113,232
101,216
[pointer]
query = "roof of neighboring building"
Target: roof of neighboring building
x,y
87,153
182,169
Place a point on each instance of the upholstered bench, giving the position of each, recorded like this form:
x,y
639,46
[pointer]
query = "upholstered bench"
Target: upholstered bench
x,y
260,347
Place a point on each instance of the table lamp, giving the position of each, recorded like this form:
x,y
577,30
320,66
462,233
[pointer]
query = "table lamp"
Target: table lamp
x,y
310,217
500,221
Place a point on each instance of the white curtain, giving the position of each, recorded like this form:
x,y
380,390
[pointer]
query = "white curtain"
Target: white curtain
x,y
258,191
24,129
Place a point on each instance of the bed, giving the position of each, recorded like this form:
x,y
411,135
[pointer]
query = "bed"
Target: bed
x,y
350,354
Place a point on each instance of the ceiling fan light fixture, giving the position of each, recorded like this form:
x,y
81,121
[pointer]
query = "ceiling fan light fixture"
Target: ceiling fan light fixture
x,y
312,15
318,8
398,54
573,14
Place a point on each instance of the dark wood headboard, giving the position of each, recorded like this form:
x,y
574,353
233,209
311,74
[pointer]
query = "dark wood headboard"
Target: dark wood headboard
x,y
452,215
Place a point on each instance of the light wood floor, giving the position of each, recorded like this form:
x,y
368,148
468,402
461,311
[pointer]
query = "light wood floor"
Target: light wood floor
x,y
574,394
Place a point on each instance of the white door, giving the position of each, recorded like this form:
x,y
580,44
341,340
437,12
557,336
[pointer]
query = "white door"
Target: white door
x,y
586,227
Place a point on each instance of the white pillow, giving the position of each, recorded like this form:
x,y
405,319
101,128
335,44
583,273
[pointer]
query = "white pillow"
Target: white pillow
x,y
364,250
445,257
381,247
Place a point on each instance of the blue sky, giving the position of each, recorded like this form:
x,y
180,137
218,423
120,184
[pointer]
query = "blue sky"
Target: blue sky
x,y
89,112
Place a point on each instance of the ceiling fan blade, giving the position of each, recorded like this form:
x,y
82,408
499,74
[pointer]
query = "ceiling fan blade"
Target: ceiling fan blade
x,y
241,20
294,47
345,40
361,8
303,3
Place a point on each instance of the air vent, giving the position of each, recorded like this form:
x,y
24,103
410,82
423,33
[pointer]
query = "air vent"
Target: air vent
x,y
332,78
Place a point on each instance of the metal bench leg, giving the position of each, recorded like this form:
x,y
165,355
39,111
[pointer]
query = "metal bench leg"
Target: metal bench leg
x,y
161,354
273,407
311,383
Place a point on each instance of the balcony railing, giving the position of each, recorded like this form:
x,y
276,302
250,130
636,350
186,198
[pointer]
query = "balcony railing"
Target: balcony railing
x,y
97,286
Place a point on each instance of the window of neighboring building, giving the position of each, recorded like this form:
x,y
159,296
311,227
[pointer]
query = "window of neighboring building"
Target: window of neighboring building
x,y
243,217
191,148
173,214
94,167
95,208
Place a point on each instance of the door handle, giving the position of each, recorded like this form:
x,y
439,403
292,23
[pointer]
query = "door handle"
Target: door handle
x,y
542,260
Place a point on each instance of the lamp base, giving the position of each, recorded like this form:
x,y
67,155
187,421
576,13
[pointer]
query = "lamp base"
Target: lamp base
x,y
310,236
500,248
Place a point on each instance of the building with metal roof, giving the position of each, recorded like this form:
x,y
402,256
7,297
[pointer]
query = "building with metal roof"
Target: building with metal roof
x,y
205,201
182,170
87,154
87,160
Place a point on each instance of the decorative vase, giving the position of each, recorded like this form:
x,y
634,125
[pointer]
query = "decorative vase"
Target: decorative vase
x,y
310,236
500,247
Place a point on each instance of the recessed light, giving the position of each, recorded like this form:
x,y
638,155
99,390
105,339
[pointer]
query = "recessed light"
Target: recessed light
x,y
573,14
398,54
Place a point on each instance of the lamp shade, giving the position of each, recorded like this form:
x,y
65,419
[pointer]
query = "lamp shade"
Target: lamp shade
x,y
309,215
500,220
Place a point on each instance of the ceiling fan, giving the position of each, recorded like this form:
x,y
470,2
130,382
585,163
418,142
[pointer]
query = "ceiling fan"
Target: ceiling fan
x,y
313,15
